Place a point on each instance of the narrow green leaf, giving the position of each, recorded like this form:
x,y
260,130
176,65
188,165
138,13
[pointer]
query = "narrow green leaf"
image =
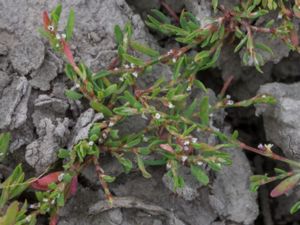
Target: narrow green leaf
x,y
134,60
199,174
118,35
70,25
4,144
100,74
204,110
142,167
73,95
101,108
295,207
143,48
55,14
285,185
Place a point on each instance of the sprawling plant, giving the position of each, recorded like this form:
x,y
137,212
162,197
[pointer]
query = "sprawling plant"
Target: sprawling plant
x,y
175,122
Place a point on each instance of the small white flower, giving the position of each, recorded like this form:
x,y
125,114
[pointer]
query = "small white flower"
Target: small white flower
x,y
53,202
211,115
169,166
263,96
144,116
77,86
157,116
199,163
184,158
121,79
45,200
279,16
194,140
126,66
145,139
57,36
171,106
60,177
228,96
50,28
132,65
186,148
28,218
116,69
260,146
198,130
101,116
104,135
57,45
187,142
135,74
268,146
63,36
111,124
91,143
189,88
174,60
230,102
170,52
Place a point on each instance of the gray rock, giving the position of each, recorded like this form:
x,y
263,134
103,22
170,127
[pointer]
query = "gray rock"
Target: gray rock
x,y
83,124
42,152
281,121
287,68
27,55
231,197
13,103
190,190
47,107
201,9
154,192
42,77
247,80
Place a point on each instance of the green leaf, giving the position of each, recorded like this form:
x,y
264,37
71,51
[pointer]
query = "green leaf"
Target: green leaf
x,y
125,111
178,67
264,48
240,45
143,49
159,15
73,95
199,174
285,185
100,74
134,60
118,35
63,153
295,207
70,25
133,143
190,110
142,167
4,144
204,110
110,90
11,214
109,179
200,85
101,108
215,4
55,14
126,163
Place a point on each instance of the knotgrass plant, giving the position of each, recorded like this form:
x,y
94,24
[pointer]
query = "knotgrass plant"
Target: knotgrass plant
x,y
173,126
